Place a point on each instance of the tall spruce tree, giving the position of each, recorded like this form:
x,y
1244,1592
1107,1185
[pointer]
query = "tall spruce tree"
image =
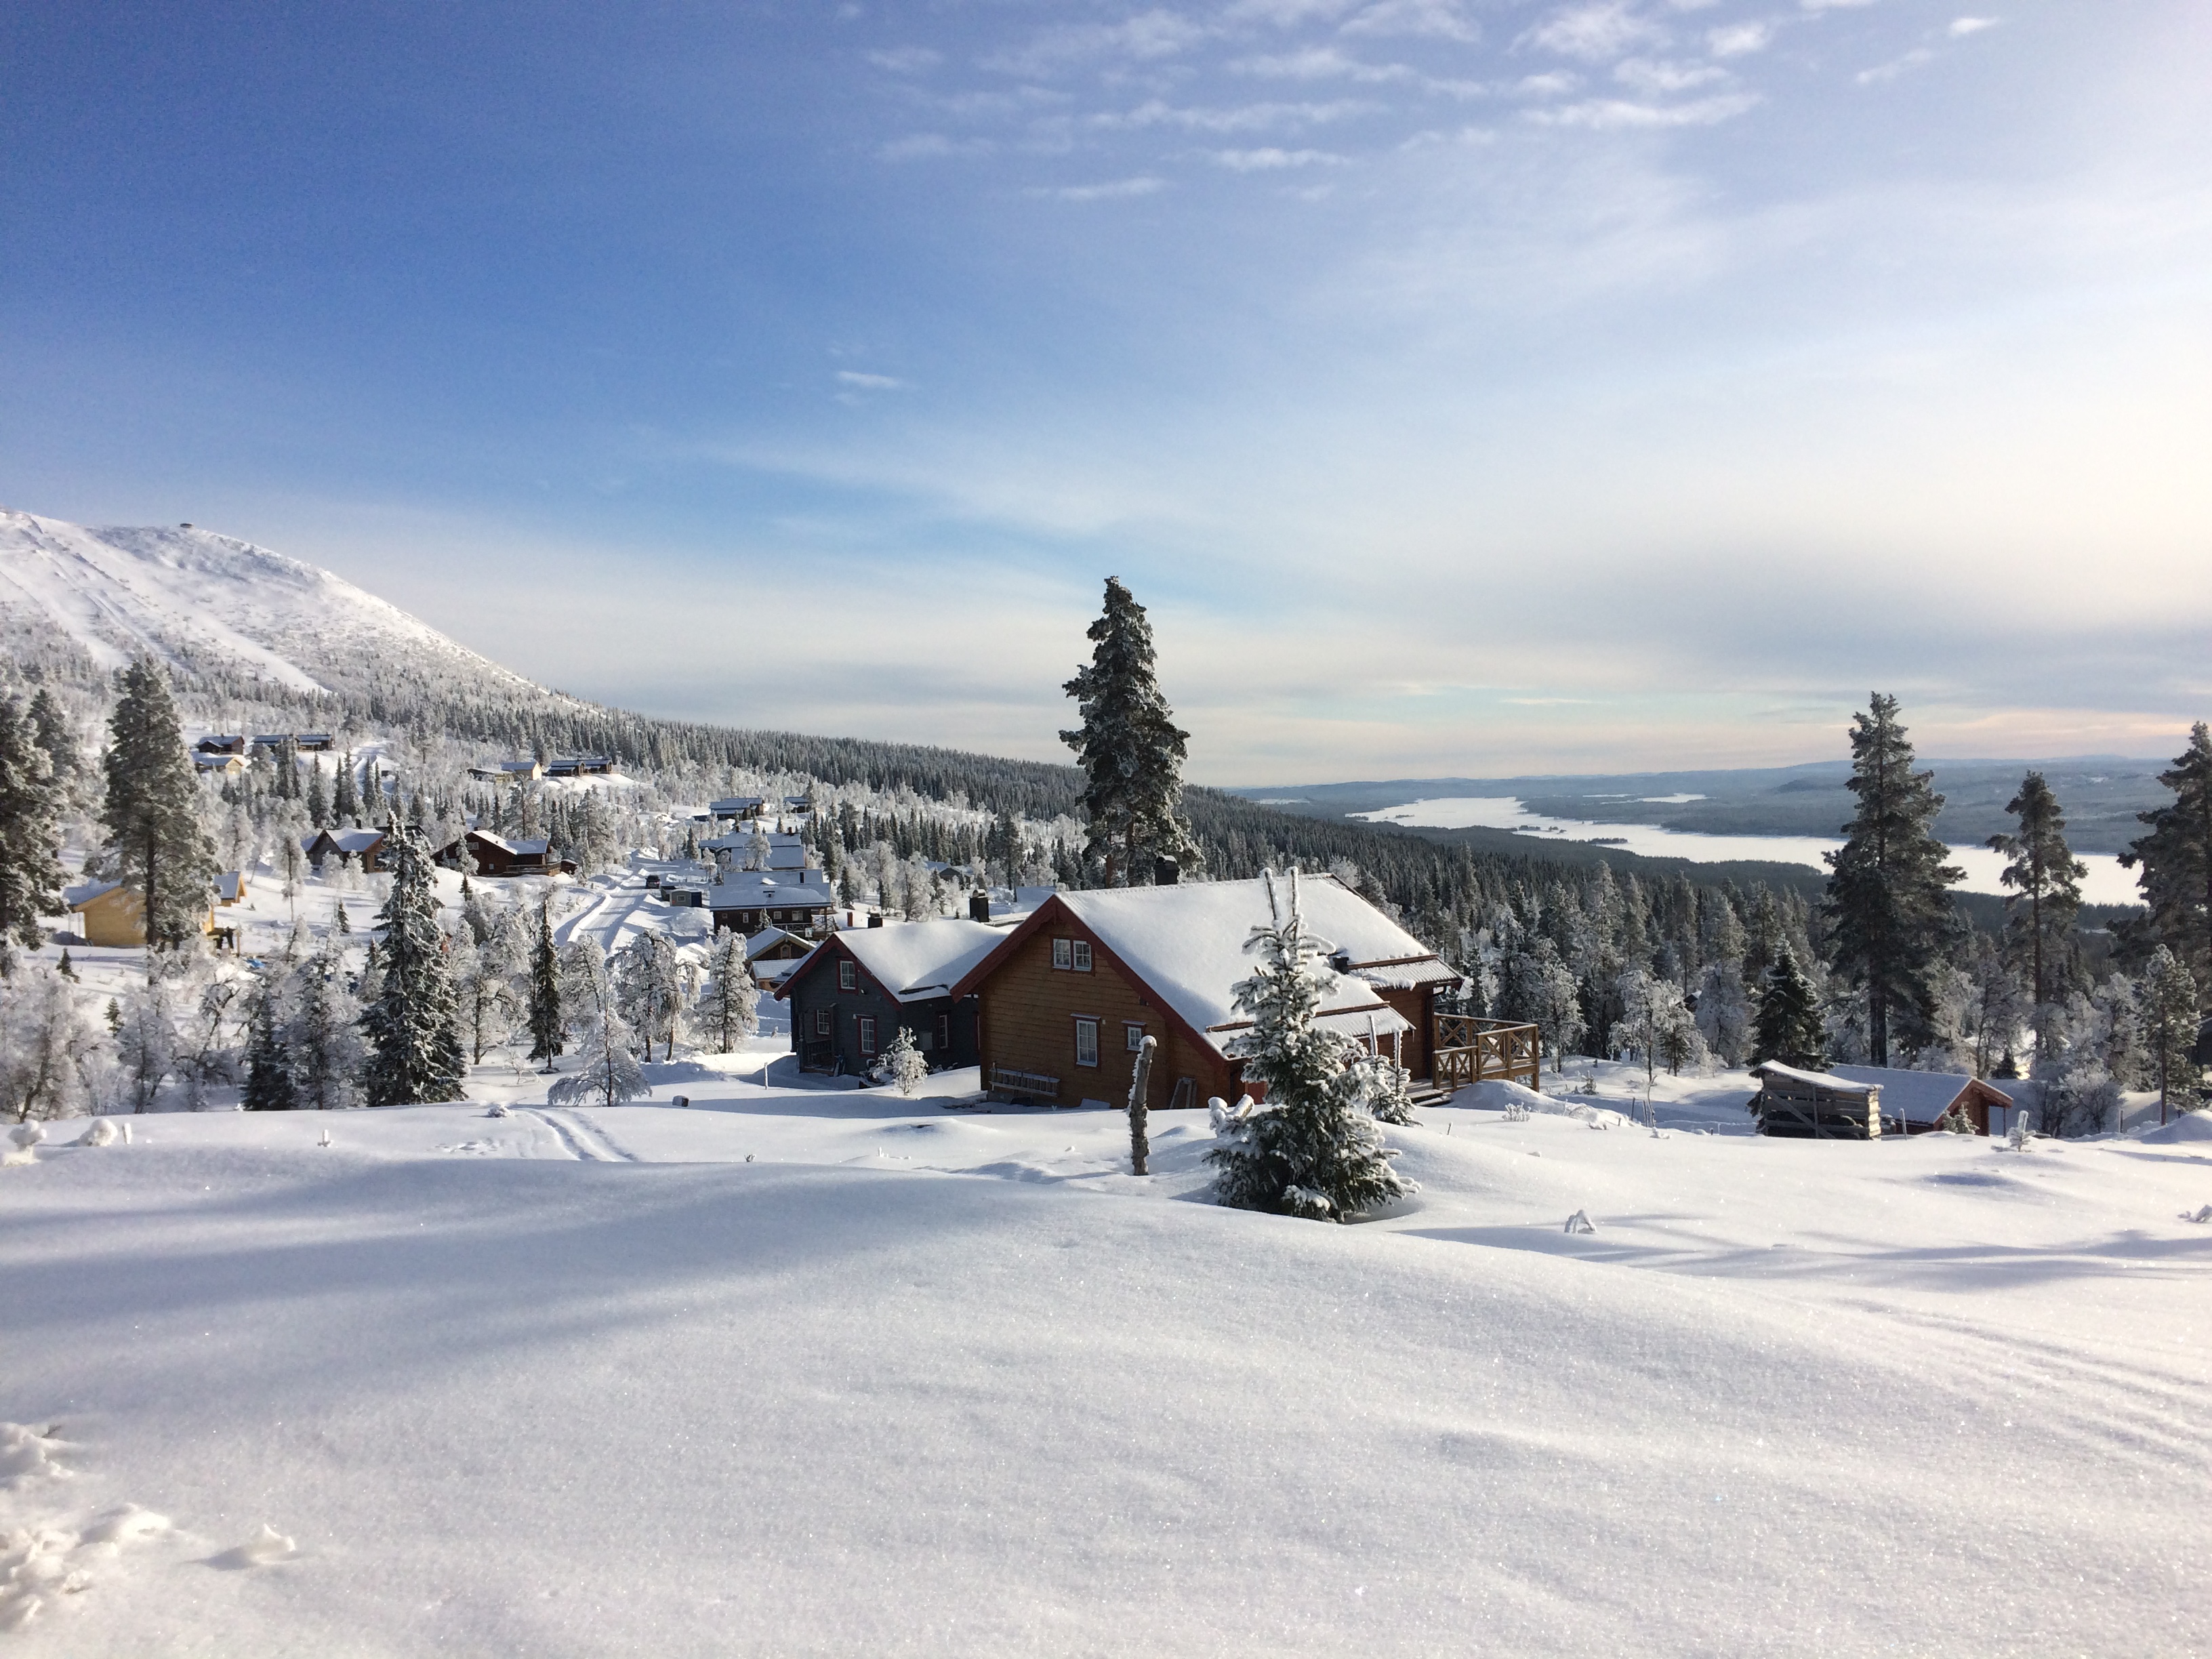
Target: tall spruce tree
x,y
2171,1021
1129,748
545,1023
346,803
30,838
56,735
1787,1025
2177,862
2047,880
152,813
269,1082
414,1025
1888,904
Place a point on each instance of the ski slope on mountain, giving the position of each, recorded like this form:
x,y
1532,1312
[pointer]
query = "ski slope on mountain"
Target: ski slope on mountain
x,y
798,1371
199,601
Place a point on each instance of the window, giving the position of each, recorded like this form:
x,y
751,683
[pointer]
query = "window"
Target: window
x,y
821,1022
1082,955
1063,953
945,1032
1133,1036
1086,1043
848,976
868,1035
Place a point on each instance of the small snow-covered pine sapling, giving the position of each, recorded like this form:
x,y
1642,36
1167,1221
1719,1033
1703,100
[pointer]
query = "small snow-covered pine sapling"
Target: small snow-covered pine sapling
x,y
904,1064
1311,1148
269,1082
545,1023
1140,1145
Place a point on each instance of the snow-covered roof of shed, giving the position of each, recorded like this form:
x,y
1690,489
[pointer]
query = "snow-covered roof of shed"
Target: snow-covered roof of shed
x,y
917,960
527,846
1187,942
1817,1079
83,893
1405,975
346,841
230,884
768,938
1918,1097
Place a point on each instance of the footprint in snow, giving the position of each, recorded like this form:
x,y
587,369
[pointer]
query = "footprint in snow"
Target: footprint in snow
x,y
265,1549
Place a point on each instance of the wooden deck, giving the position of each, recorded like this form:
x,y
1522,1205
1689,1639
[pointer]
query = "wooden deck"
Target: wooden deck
x,y
1470,1050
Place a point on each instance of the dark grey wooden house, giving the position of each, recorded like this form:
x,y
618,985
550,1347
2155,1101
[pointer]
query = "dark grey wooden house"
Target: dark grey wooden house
x,y
850,997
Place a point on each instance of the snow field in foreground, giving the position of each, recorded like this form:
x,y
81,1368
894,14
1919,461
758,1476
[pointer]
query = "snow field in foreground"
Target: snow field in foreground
x,y
916,1380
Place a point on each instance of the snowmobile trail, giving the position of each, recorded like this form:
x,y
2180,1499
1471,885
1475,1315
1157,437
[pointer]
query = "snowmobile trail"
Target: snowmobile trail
x,y
583,1140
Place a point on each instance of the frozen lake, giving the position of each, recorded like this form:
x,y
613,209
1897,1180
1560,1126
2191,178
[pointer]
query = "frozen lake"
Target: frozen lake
x,y
2105,883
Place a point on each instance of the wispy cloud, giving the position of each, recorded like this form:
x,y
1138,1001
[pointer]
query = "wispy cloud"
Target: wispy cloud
x,y
1962,26
866,382
1606,115
1112,189
1241,118
1148,36
1918,57
1596,34
905,60
1321,64
1739,40
1268,160
931,146
1653,77
1440,20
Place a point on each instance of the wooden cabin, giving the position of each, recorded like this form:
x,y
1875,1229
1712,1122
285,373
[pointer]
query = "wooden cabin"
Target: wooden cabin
x,y
745,901
502,855
1914,1102
364,846
513,771
220,743
110,913
1065,1003
851,994
1815,1105
580,766
230,888
218,764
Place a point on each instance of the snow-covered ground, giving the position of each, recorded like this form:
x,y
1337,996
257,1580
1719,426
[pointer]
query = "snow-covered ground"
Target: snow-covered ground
x,y
804,1371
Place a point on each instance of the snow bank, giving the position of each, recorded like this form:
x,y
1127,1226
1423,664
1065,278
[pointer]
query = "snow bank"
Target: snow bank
x,y
1497,1095
2190,1125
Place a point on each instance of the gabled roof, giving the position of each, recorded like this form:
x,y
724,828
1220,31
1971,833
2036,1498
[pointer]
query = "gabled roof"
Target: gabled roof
x,y
768,938
1816,1079
534,847
83,893
754,889
912,961
1186,944
230,884
346,841
1916,1097
736,807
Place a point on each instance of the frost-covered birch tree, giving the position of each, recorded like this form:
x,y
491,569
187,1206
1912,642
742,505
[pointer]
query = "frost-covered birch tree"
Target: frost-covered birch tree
x,y
607,1068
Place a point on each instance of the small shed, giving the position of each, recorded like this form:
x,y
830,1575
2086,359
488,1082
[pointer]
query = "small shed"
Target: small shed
x,y
1815,1105
1916,1100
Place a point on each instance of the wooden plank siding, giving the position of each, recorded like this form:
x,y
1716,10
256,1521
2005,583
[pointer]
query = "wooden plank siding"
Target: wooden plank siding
x,y
1027,1025
943,1029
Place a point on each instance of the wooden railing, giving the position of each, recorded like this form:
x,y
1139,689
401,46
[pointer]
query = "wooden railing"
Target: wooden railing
x,y
1470,1050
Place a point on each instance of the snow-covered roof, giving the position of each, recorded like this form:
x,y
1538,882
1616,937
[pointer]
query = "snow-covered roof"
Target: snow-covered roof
x,y
1186,943
230,884
1916,1097
1815,1080
917,960
736,807
346,841
531,847
768,938
1405,975
751,890
83,893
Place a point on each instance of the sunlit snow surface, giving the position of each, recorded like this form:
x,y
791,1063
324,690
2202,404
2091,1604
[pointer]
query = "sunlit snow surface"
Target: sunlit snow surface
x,y
921,1379
2105,883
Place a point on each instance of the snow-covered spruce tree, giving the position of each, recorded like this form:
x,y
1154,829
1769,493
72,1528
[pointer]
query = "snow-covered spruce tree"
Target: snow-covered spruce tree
x,y
319,799
545,1022
902,1064
414,1025
1888,902
1541,989
160,852
2177,862
2171,1021
1998,1011
55,734
345,799
727,1012
607,1068
1786,1026
2046,879
145,1039
269,1082
47,1048
1129,749
1311,1148
325,1033
30,835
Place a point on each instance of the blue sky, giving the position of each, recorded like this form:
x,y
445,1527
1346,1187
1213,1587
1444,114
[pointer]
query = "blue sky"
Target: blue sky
x,y
1466,387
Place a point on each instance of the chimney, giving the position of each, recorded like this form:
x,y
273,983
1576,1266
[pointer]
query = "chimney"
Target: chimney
x,y
875,918
979,905
1166,873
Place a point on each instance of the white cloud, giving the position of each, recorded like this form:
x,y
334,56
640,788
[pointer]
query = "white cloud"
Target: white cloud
x,y
1595,33
1242,118
853,377
930,146
1320,63
1149,35
1608,114
1650,75
1558,83
1919,57
1438,19
1735,40
1261,160
1962,26
905,60
1113,189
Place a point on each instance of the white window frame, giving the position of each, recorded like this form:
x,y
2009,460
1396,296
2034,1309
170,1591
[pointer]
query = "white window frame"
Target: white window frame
x,y
1082,954
1063,954
821,1022
1133,1035
849,975
1086,1032
864,1034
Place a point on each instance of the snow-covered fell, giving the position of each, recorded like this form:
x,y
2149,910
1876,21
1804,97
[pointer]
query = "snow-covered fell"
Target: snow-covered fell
x,y
206,603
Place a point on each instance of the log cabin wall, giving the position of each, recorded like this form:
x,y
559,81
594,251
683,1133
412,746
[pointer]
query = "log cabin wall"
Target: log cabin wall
x,y
1028,1019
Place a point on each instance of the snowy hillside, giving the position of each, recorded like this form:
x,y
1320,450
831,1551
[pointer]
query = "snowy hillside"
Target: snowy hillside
x,y
216,607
